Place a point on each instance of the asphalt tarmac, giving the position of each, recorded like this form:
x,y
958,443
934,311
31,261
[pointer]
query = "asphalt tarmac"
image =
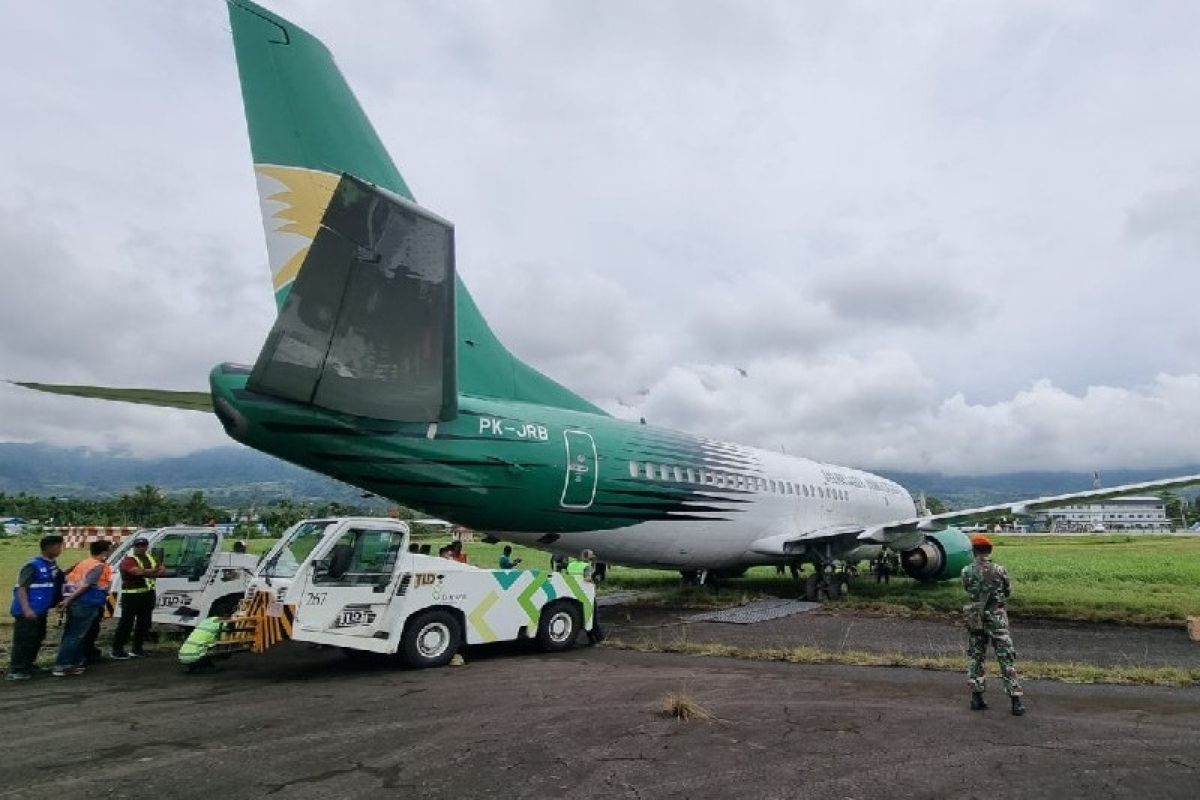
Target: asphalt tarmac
x,y
308,723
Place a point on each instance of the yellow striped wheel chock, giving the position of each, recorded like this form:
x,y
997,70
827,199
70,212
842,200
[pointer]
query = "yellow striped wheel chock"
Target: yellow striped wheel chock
x,y
253,627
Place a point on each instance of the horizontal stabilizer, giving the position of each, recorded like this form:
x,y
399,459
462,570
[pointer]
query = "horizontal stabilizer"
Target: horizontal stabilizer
x,y
164,398
368,328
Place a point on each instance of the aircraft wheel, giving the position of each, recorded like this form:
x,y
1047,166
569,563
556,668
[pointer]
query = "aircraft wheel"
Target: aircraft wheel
x,y
840,587
812,588
430,639
559,626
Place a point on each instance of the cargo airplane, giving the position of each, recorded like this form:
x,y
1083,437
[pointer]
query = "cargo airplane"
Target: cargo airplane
x,y
380,371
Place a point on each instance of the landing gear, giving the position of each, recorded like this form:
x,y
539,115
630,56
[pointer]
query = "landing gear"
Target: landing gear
x,y
829,581
699,577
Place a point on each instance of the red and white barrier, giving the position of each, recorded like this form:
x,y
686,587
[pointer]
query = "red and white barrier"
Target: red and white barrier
x,y
82,535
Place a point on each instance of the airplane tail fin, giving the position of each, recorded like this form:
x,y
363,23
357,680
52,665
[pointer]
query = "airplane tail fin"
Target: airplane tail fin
x,y
307,134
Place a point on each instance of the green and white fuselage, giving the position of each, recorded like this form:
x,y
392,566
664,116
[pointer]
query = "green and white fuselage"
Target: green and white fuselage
x,y
569,480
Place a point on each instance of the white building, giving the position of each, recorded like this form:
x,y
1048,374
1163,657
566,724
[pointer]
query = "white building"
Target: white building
x,y
1117,514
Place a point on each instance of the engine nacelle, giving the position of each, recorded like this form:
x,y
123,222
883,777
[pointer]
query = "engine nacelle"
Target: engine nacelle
x,y
940,557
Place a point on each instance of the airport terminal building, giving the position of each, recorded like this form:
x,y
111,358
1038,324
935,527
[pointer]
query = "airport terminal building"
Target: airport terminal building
x,y
1117,514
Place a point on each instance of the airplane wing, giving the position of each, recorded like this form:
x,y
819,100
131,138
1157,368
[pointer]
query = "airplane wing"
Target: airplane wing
x,y
164,398
904,534
909,532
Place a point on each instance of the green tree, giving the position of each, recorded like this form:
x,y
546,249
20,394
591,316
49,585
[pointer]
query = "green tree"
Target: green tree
x,y
935,506
147,507
1175,507
198,511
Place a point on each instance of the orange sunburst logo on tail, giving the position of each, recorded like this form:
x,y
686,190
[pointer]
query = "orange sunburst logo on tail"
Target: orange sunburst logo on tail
x,y
293,202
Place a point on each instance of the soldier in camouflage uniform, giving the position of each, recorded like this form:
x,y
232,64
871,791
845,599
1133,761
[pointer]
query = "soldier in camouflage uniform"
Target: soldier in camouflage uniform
x,y
989,588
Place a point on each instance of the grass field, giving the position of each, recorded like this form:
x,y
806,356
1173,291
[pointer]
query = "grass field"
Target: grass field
x,y
1128,579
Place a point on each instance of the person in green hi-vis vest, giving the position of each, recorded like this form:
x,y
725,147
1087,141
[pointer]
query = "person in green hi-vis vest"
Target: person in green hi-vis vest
x,y
193,653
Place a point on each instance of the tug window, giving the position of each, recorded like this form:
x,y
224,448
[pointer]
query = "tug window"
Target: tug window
x,y
361,556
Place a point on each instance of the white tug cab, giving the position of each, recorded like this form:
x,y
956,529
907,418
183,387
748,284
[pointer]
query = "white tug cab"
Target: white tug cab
x,y
357,584
201,581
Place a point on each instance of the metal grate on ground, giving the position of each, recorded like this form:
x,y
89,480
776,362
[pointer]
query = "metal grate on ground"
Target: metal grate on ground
x,y
757,611
620,598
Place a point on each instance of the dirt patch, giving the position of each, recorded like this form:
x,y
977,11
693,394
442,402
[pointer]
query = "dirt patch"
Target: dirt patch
x,y
1053,642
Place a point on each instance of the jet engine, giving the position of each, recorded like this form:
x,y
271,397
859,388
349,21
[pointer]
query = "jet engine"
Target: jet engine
x,y
940,557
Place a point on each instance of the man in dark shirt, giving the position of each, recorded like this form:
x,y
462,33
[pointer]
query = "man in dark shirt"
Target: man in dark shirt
x,y
36,592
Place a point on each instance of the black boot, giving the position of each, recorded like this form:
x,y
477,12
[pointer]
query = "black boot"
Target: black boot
x,y
978,703
1018,708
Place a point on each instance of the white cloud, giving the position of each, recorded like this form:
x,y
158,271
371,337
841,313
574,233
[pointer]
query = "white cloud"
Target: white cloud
x,y
961,236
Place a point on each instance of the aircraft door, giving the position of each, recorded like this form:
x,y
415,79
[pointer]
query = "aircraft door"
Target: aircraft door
x,y
579,486
347,588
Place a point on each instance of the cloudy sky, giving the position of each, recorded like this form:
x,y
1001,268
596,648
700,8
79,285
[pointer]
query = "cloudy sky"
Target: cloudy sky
x,y
952,236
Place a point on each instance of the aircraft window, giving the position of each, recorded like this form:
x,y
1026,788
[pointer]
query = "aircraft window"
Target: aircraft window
x,y
633,469
678,475
649,470
691,476
741,481
662,473
805,488
772,484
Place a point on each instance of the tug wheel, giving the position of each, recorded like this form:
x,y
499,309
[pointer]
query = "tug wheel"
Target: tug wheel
x,y
559,626
431,639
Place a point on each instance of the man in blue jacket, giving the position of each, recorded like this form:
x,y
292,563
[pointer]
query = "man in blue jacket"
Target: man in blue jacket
x,y
34,595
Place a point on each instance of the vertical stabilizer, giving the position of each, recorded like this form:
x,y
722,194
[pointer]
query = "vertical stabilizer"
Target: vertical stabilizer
x,y
306,130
